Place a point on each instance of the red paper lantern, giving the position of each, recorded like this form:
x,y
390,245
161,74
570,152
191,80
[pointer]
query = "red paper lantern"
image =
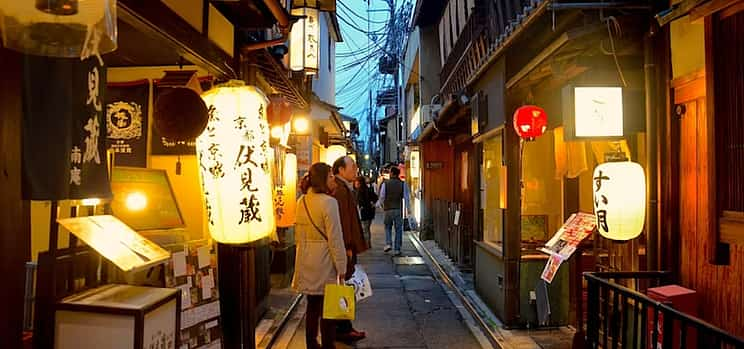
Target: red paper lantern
x,y
530,121
279,110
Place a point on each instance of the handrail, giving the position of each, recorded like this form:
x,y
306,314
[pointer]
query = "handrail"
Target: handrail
x,y
608,311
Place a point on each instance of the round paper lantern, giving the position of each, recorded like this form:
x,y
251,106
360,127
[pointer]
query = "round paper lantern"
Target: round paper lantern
x,y
619,199
180,114
286,200
235,165
59,28
334,152
530,122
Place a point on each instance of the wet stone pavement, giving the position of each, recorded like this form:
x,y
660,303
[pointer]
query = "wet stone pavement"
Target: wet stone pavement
x,y
408,309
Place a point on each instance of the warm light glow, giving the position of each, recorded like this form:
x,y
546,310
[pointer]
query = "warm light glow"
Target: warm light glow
x,y
58,28
599,111
91,202
301,125
289,193
235,165
334,152
619,199
136,201
366,156
530,121
277,131
415,164
304,51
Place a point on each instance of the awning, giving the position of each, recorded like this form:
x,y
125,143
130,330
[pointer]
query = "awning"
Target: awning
x,y
277,76
446,119
323,5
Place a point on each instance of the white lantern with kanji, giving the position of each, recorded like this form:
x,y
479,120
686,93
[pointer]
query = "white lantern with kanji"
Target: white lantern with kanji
x,y
234,161
304,40
286,201
619,199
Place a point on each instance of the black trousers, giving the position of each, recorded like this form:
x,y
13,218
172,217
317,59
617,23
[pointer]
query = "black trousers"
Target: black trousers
x,y
313,320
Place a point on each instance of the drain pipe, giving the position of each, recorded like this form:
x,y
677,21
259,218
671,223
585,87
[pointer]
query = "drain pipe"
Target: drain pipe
x,y
284,23
649,71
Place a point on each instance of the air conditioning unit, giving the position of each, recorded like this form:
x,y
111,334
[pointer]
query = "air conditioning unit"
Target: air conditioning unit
x,y
428,112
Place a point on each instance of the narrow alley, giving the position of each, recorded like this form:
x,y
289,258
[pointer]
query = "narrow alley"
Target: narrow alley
x,y
409,309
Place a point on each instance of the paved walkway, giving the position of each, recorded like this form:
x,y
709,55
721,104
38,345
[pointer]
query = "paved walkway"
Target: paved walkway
x,y
409,309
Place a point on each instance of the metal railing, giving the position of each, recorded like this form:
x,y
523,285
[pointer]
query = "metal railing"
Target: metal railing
x,y
621,317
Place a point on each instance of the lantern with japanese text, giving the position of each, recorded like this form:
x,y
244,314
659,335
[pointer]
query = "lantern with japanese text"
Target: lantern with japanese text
x,y
234,161
619,199
530,122
286,196
59,28
304,50
334,152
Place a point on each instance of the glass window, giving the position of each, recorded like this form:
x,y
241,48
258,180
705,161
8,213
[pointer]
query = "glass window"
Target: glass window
x,y
542,191
493,200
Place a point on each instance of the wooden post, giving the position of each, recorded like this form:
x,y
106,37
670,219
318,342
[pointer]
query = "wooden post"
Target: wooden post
x,y
15,232
237,287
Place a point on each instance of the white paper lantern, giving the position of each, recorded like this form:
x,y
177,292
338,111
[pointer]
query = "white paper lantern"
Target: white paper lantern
x,y
619,199
59,28
234,161
288,196
304,50
334,152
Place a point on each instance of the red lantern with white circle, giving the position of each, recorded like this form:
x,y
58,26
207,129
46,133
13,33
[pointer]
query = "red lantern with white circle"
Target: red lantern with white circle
x,y
530,122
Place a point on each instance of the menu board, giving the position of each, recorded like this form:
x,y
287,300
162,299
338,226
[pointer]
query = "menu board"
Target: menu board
x,y
565,242
116,241
143,198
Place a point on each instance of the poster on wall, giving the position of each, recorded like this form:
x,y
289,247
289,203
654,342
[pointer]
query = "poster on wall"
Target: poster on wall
x,y
126,121
64,154
160,145
193,269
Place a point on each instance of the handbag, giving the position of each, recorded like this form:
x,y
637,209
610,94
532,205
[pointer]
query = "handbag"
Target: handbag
x,y
362,286
339,302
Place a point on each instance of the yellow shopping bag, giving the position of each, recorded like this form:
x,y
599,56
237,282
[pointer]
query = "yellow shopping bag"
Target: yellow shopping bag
x,y
338,303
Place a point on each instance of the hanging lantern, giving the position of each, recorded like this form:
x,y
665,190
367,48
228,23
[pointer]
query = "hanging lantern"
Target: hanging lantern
x,y
234,163
620,199
334,152
59,28
180,114
530,122
286,200
304,51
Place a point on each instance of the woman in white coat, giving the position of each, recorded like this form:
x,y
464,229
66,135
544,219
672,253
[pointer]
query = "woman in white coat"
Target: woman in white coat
x,y
321,255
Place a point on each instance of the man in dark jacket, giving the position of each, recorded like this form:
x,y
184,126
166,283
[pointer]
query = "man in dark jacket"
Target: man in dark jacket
x,y
345,171
394,197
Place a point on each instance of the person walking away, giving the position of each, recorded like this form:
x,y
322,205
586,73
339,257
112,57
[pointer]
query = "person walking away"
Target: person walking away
x,y
394,196
366,202
321,254
345,172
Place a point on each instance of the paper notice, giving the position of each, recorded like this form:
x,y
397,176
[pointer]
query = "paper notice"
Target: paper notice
x,y
551,268
179,263
208,280
193,316
185,296
203,253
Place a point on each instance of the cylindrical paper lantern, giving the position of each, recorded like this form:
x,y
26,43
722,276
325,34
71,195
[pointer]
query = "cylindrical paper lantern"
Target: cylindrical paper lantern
x,y
235,164
287,202
334,152
620,199
59,28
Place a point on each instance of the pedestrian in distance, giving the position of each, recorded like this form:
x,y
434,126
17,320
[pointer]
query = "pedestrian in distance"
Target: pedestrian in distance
x,y
394,197
366,201
345,172
321,254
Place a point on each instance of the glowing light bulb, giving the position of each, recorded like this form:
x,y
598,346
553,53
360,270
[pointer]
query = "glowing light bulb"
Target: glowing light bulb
x,y
91,202
136,201
301,125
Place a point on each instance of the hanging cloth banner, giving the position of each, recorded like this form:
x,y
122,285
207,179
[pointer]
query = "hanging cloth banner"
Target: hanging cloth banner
x,y
126,121
64,130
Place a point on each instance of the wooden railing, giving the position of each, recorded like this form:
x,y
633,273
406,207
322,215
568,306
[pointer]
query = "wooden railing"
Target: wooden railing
x,y
621,317
487,28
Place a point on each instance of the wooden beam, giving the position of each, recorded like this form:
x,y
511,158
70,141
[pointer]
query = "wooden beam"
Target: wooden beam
x,y
156,20
699,13
15,233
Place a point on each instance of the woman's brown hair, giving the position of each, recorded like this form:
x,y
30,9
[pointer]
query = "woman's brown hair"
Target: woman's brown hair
x,y
316,178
